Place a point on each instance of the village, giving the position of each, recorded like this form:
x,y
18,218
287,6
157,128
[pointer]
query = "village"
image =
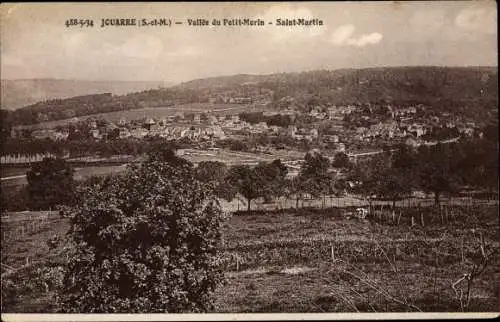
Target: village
x,y
346,126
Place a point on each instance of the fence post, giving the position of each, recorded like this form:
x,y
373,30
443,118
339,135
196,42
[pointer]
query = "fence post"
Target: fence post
x,y
462,250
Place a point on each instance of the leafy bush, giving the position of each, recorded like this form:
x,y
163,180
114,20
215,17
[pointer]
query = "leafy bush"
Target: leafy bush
x,y
50,183
146,241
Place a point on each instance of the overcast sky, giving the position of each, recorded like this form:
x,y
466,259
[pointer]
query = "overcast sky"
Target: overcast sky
x,y
35,43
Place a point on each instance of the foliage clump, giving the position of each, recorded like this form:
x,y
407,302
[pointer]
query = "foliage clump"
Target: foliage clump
x,y
50,183
145,241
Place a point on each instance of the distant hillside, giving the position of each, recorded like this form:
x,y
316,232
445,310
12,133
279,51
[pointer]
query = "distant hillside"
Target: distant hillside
x,y
368,85
228,81
23,92
471,91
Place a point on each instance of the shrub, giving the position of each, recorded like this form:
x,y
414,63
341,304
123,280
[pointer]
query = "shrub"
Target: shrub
x,y
146,241
50,183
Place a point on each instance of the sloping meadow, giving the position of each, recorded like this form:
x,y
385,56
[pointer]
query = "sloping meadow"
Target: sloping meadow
x,y
330,261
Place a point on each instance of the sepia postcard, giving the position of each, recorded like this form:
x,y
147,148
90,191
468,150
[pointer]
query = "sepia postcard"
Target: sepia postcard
x,y
249,161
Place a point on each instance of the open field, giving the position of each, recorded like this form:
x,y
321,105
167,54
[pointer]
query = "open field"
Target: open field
x,y
313,260
19,179
237,157
26,235
154,112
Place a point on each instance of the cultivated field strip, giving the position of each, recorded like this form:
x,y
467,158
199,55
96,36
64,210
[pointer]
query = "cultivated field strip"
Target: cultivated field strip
x,y
28,216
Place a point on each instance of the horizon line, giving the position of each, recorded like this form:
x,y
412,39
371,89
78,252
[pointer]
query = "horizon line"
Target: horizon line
x,y
247,74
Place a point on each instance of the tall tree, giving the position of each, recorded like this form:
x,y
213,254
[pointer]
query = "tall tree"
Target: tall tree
x,y
315,175
211,171
296,187
397,176
214,173
246,181
272,178
166,152
479,163
50,183
341,160
438,169
367,176
394,184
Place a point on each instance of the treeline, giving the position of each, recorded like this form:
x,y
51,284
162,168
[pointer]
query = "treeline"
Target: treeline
x,y
442,169
57,109
270,120
439,169
77,148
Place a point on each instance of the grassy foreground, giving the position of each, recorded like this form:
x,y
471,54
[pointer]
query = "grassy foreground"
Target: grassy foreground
x,y
312,260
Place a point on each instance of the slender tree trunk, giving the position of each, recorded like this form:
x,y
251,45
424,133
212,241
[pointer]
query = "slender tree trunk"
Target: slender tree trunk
x,y
436,197
248,204
393,203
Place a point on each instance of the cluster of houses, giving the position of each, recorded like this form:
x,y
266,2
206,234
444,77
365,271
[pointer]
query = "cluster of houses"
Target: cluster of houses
x,y
49,134
407,112
404,123
302,133
413,134
389,131
319,113
172,127
220,99
332,112
164,129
